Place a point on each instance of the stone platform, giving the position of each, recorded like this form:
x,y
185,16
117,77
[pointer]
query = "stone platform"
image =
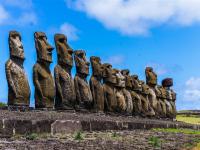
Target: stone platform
x,y
52,122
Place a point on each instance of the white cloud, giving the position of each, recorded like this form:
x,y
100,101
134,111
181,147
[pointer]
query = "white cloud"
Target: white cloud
x,y
115,60
70,31
192,91
24,4
17,12
137,17
3,14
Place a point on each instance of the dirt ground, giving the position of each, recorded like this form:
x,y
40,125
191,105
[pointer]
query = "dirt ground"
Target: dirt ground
x,y
123,140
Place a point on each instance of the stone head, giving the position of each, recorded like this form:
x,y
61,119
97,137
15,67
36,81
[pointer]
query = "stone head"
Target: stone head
x,y
121,80
44,49
64,52
97,67
109,74
129,81
82,65
151,77
168,82
15,45
136,84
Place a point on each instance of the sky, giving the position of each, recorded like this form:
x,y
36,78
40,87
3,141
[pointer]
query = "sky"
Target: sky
x,y
129,34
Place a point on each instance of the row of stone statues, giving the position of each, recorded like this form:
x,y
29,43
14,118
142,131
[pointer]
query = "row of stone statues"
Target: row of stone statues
x,y
109,90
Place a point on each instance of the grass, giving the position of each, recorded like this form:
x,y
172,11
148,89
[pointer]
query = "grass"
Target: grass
x,y
184,131
78,136
193,119
2,104
155,141
31,136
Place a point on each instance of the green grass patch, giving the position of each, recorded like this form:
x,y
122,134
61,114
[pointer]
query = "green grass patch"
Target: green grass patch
x,y
2,104
193,119
78,136
155,141
31,136
172,130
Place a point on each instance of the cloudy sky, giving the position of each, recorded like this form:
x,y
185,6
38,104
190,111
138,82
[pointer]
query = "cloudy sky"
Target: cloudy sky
x,y
164,34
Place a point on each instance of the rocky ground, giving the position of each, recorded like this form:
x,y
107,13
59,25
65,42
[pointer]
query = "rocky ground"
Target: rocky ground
x,y
123,140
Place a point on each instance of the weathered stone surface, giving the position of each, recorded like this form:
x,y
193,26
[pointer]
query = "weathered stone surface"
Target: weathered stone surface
x,y
65,90
83,93
96,85
18,86
65,127
42,78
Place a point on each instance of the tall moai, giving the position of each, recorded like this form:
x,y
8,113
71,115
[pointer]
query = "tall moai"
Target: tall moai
x,y
42,77
65,90
109,82
96,85
151,81
127,89
84,98
170,96
18,86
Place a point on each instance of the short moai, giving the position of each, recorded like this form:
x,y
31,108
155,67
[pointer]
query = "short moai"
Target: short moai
x,y
109,82
96,85
142,90
127,91
170,96
18,86
84,97
120,97
42,77
65,90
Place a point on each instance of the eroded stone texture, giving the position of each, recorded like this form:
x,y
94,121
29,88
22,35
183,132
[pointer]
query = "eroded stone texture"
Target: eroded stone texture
x,y
42,78
151,81
140,92
65,90
127,89
96,85
120,86
109,82
170,96
18,86
83,93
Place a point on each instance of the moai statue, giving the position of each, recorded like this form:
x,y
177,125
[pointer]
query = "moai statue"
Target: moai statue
x,y
65,90
161,96
18,86
145,94
140,93
151,81
171,97
96,85
83,93
42,78
109,82
135,94
120,86
127,91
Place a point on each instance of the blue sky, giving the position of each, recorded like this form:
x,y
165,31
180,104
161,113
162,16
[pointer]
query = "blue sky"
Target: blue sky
x,y
126,33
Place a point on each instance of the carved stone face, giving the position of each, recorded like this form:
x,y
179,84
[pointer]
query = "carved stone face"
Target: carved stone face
x,y
109,74
121,80
82,65
151,77
128,78
136,83
64,52
97,68
44,49
16,46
